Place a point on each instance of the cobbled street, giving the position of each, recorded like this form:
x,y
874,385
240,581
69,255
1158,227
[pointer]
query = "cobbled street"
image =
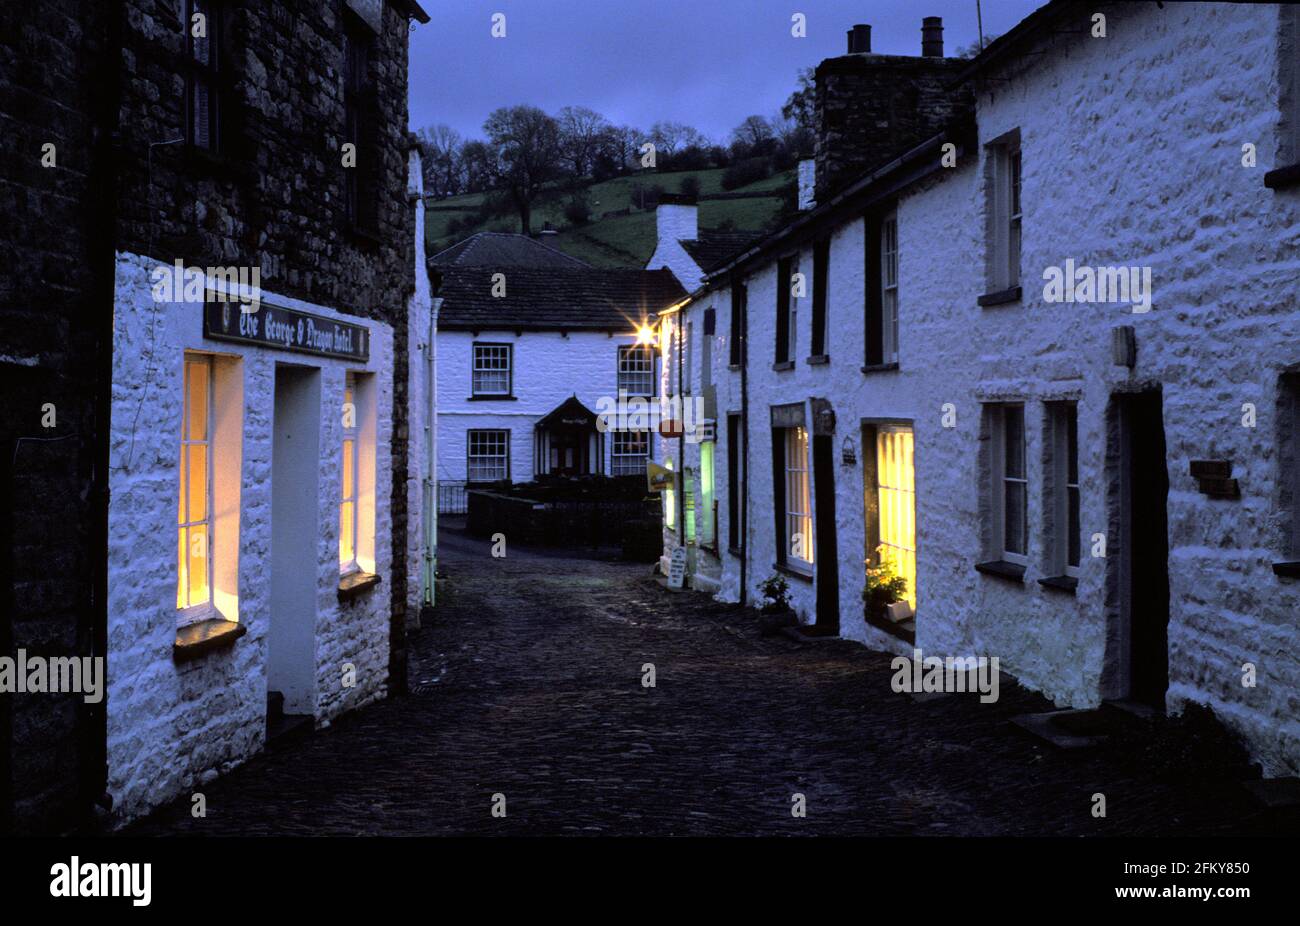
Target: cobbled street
x,y
529,684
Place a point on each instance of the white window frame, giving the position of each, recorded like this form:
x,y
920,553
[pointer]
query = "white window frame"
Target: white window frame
x,y
1290,104
479,366
889,288
195,609
1005,228
1064,491
1002,482
622,463
798,496
636,363
470,456
353,435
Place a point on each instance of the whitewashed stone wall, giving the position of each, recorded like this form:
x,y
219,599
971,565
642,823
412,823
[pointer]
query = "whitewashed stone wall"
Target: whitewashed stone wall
x,y
172,727
422,404
675,224
549,367
1132,156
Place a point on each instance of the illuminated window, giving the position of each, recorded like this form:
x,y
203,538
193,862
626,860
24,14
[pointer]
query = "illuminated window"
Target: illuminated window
x,y
489,456
709,517
798,499
629,451
491,369
636,369
670,501
348,504
896,504
194,512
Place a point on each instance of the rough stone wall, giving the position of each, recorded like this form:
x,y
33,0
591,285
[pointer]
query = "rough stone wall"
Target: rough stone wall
x,y
174,726
675,224
870,108
55,281
548,368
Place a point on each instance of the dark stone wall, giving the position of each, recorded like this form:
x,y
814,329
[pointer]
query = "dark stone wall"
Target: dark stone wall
x,y
871,108
57,86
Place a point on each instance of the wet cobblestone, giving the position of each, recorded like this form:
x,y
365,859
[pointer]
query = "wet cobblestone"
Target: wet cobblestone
x,y
528,684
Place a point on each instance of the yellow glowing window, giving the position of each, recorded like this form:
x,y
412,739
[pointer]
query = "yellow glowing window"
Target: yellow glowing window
x,y
896,487
348,505
798,498
194,511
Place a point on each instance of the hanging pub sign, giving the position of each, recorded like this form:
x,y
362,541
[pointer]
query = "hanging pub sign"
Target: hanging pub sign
x,y
279,328
658,478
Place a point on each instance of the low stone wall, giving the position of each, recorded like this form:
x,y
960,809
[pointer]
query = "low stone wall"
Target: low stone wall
x,y
631,525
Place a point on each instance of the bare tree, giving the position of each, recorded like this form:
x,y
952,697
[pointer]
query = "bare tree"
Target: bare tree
x,y
440,149
671,137
581,134
526,145
752,132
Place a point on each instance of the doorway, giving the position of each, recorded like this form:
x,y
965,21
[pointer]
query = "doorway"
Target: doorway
x,y
1137,658
827,553
295,530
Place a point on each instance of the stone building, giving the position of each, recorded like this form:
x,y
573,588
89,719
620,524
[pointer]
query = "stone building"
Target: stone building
x,y
1038,364
533,345
230,232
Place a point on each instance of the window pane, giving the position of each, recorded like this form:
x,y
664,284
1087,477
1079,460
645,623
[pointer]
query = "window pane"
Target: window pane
x,y
1072,438
1073,522
349,490
347,551
197,550
196,398
1014,429
197,482
181,581
1015,517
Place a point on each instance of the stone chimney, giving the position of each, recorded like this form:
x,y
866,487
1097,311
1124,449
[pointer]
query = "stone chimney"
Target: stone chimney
x,y
677,218
871,108
932,37
807,184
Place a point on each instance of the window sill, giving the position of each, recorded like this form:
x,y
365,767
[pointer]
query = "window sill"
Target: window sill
x,y
356,583
194,640
818,360
1004,297
782,365
1065,584
880,367
733,367
1282,177
492,398
1001,569
1289,570
793,572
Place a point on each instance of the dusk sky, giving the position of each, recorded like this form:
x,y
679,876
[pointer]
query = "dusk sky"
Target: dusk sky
x,y
707,63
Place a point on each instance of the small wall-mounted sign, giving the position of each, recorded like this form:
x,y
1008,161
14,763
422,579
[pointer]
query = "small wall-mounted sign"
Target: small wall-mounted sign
x,y
1213,477
677,569
658,478
848,453
823,416
286,329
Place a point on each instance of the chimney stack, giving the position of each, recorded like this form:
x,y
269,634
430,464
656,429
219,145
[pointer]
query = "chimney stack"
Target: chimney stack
x,y
932,37
860,39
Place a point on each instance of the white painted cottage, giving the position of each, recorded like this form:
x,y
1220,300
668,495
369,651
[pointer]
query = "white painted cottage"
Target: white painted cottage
x,y
1041,362
533,344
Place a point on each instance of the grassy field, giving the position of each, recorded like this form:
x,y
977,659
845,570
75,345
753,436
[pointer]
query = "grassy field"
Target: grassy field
x,y
616,240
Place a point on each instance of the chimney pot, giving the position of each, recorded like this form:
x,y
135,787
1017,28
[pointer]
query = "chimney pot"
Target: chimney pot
x,y
932,37
860,39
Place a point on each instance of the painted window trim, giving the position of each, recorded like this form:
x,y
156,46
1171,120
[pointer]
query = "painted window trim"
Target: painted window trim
x,y
469,454
195,611
998,485
474,391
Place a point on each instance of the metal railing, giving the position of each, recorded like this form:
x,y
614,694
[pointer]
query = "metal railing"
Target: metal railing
x,y
452,498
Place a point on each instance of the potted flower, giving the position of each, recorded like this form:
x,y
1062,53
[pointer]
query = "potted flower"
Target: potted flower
x,y
884,587
775,612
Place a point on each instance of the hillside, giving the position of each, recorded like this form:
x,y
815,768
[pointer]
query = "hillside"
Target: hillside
x,y
620,232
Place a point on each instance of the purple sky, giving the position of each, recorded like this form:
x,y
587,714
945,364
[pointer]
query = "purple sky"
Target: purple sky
x,y
708,63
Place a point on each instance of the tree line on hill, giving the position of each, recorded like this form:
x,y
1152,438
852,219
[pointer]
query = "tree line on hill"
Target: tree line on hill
x,y
528,154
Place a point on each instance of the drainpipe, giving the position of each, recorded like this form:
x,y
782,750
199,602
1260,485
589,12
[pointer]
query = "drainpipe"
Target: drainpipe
x,y
430,564
680,500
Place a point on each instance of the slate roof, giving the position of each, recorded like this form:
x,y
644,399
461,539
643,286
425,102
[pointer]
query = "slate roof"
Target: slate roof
x,y
500,249
714,246
553,298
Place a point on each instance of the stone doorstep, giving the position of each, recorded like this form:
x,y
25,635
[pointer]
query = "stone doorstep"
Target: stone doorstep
x,y
1047,726
1275,793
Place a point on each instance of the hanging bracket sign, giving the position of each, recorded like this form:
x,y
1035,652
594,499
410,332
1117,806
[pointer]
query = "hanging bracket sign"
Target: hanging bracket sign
x,y
279,328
